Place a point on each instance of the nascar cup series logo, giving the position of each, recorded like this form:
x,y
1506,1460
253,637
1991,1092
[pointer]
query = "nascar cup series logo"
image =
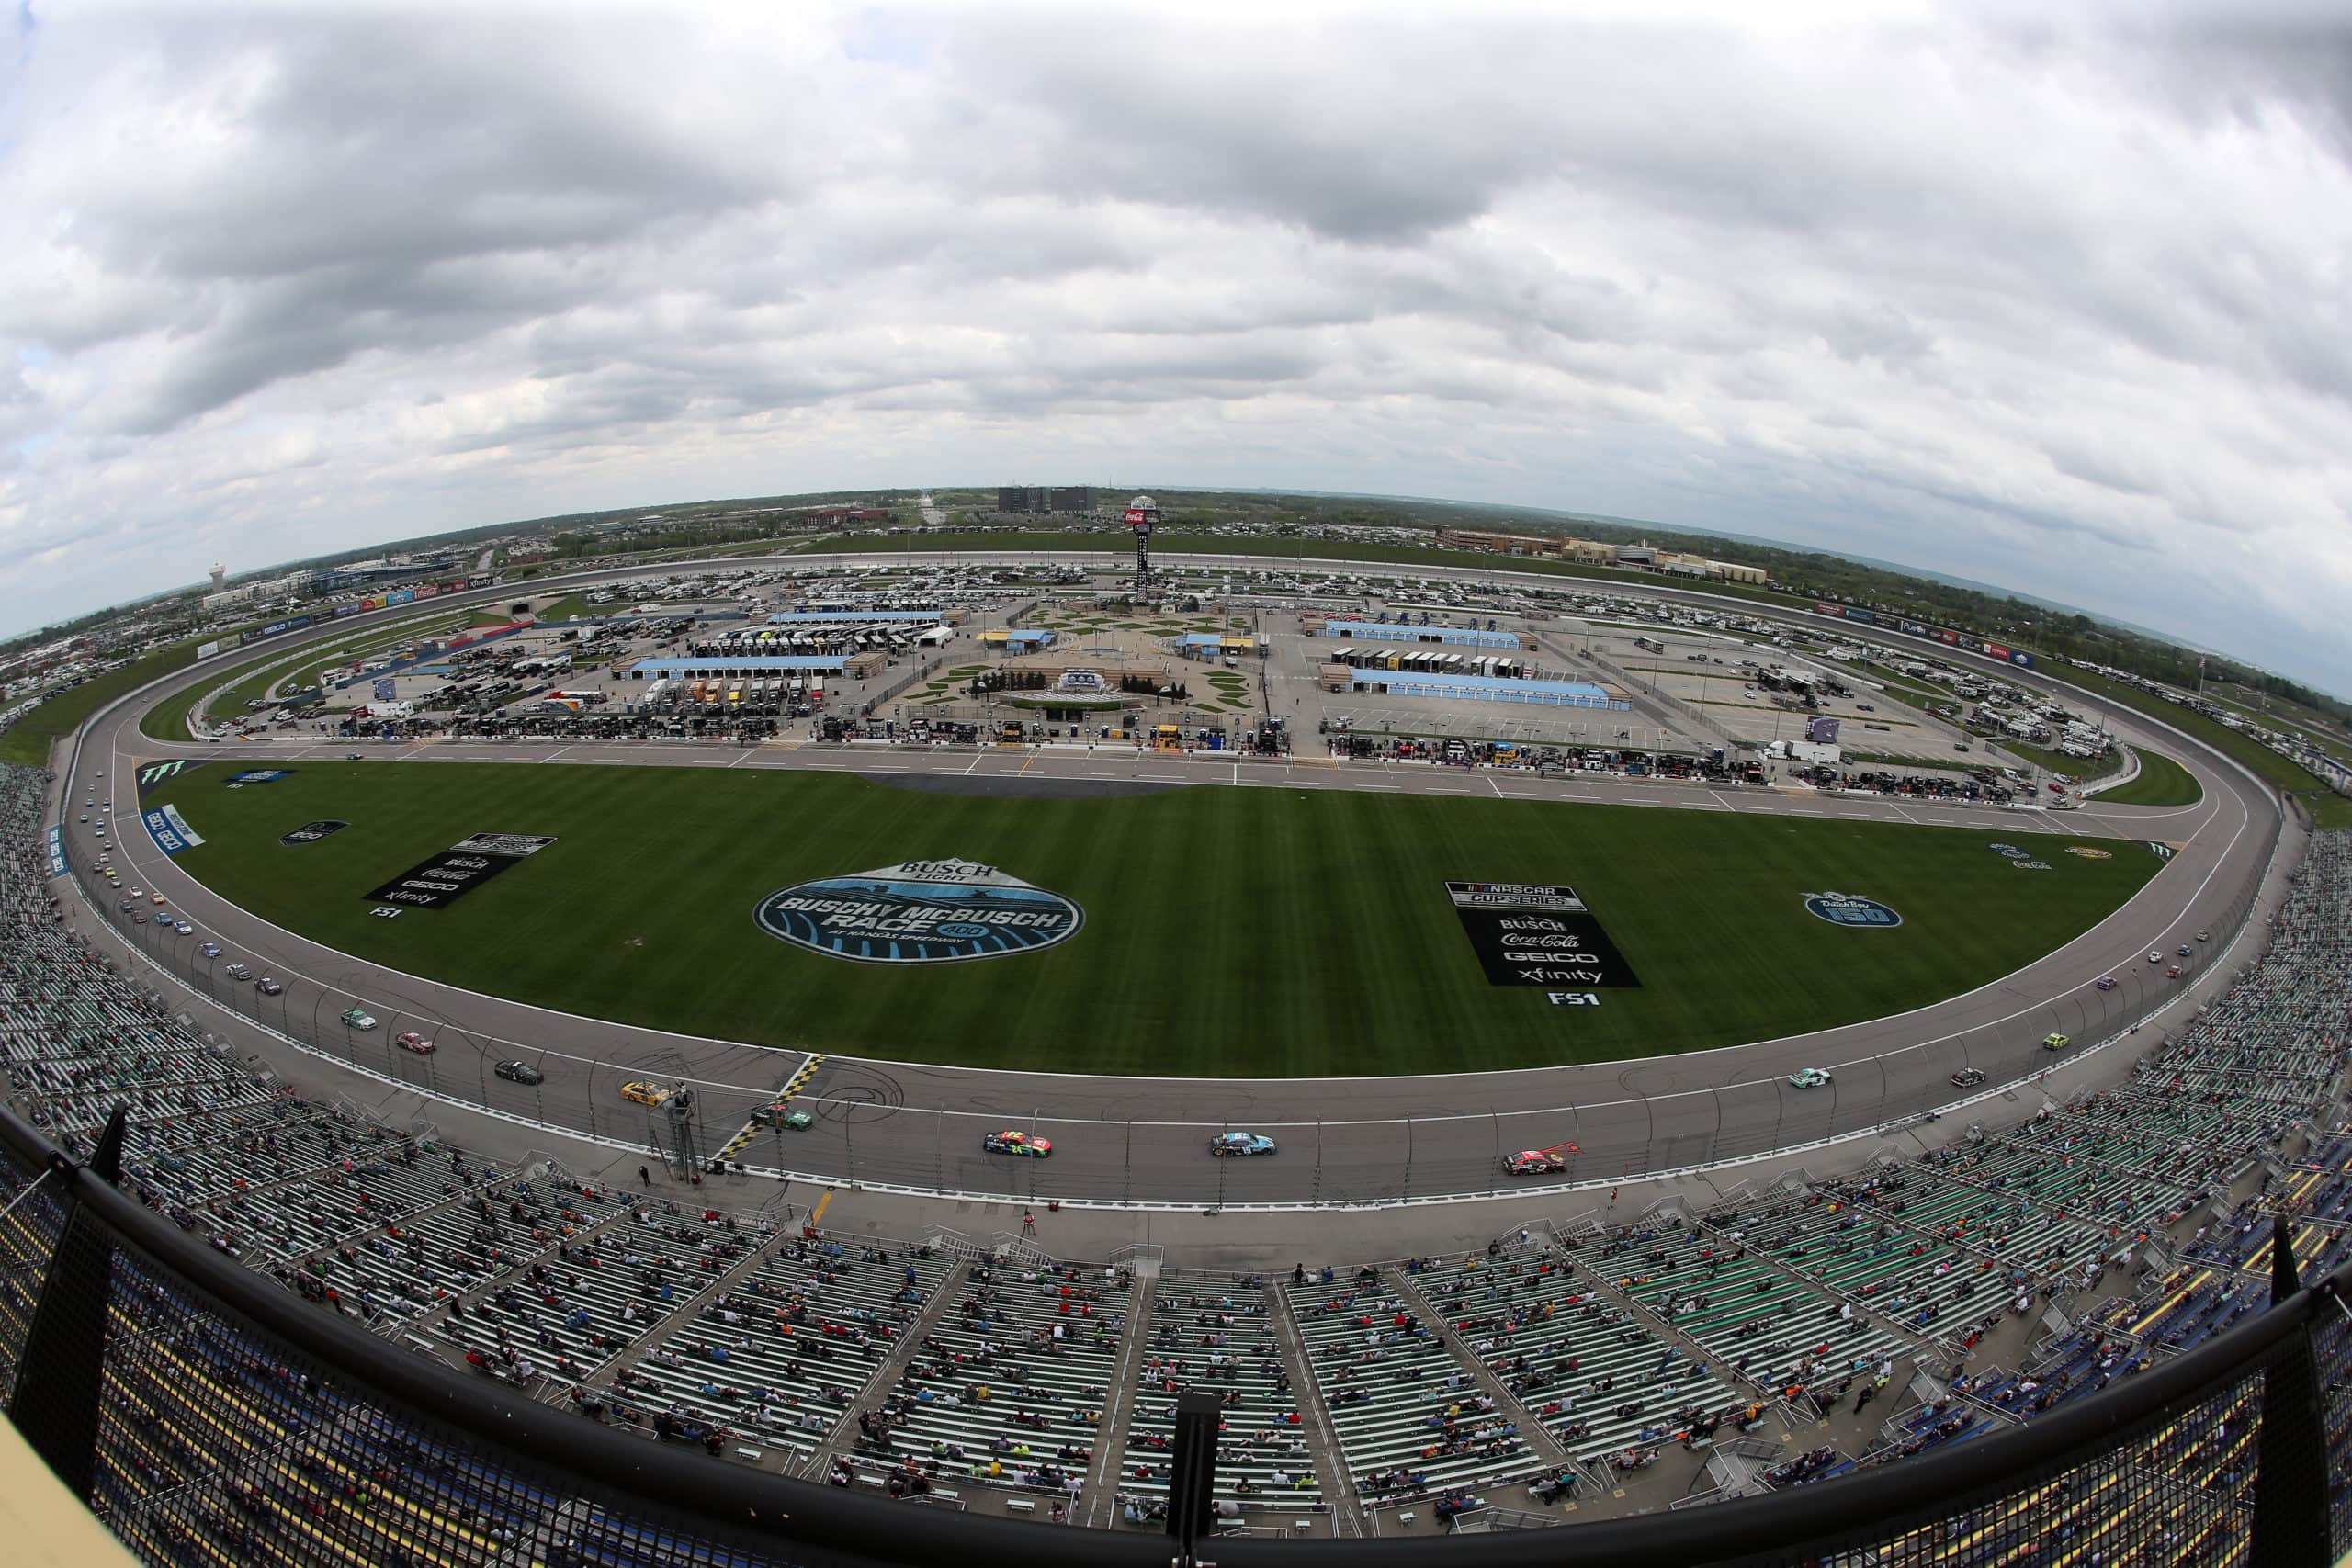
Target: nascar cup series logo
x,y
921,911
1851,909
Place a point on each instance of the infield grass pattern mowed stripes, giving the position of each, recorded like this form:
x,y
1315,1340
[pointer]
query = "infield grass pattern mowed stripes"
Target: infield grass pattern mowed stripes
x,y
1229,931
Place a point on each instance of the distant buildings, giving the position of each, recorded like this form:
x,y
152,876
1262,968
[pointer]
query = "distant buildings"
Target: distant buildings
x,y
1045,499
1595,552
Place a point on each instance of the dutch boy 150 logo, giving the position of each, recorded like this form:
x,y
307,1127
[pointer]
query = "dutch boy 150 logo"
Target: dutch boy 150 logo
x,y
1851,909
935,911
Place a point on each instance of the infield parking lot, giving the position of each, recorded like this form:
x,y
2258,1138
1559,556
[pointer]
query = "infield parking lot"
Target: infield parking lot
x,y
1226,932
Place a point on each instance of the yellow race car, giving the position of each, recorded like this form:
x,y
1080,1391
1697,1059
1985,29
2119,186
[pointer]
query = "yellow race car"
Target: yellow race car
x,y
644,1093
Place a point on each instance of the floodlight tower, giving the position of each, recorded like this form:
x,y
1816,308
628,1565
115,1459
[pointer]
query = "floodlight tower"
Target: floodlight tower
x,y
1143,512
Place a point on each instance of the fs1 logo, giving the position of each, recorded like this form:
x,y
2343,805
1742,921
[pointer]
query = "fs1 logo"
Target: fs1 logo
x,y
1851,909
312,832
935,911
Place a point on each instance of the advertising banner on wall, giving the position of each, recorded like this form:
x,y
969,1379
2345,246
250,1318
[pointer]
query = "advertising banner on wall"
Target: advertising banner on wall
x,y
207,649
57,852
1537,934
1821,730
450,876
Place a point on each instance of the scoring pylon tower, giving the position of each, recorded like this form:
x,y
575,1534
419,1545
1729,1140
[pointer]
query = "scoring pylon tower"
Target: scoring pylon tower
x,y
1143,515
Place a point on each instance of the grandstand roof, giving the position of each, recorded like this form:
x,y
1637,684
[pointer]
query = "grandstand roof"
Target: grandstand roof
x,y
671,668
836,617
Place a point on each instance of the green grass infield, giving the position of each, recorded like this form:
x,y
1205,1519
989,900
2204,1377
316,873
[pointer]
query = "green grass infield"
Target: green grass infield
x,y
2162,782
1228,931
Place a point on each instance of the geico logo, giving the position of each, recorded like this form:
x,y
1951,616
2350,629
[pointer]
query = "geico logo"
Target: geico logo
x,y
1517,955
435,886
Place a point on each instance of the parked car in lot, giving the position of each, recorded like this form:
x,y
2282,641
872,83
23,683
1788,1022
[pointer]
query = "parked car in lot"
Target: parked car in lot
x,y
1010,1142
518,1072
268,988
1809,1078
355,1018
1231,1144
1967,1077
417,1043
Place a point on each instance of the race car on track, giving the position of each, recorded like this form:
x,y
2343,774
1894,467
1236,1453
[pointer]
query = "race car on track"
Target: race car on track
x,y
269,986
1012,1143
354,1019
519,1072
1967,1077
2106,982
2204,936
2055,1041
417,1043
237,972
1809,1078
155,898
183,928
2155,956
1540,1162
781,1114
1226,1145
2185,950
124,907
644,1093
2173,972
211,950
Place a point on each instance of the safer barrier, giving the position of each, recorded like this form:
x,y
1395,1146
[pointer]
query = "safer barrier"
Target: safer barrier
x,y
208,1414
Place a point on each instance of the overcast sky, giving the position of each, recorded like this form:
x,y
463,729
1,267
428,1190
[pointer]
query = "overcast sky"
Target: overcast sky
x,y
2062,307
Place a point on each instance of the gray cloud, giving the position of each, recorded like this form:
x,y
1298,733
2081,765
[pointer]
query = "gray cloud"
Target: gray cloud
x,y
2060,308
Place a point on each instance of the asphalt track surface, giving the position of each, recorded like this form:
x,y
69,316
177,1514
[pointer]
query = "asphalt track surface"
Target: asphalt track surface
x,y
1144,1140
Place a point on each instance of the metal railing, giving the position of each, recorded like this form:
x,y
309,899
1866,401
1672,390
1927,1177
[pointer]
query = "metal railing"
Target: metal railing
x,y
206,1413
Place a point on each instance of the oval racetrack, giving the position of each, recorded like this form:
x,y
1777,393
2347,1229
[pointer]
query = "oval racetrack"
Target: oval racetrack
x,y
1143,1141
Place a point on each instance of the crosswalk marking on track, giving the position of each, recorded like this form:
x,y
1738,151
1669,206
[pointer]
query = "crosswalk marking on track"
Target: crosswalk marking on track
x,y
793,1086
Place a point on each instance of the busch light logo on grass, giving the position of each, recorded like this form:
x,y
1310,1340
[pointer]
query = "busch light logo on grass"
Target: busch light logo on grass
x,y
1851,909
931,911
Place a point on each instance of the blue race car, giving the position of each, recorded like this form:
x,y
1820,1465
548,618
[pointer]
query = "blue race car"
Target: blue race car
x,y
1238,1143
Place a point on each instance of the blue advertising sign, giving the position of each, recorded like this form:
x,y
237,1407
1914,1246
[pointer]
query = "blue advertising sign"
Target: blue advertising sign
x,y
385,690
57,852
920,912
170,830
1851,909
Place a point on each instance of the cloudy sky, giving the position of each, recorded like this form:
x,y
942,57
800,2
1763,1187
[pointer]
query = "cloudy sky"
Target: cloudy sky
x,y
2059,306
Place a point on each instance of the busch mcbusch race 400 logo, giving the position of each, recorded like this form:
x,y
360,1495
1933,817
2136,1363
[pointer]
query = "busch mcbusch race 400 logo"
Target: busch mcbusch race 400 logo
x,y
921,911
1851,909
